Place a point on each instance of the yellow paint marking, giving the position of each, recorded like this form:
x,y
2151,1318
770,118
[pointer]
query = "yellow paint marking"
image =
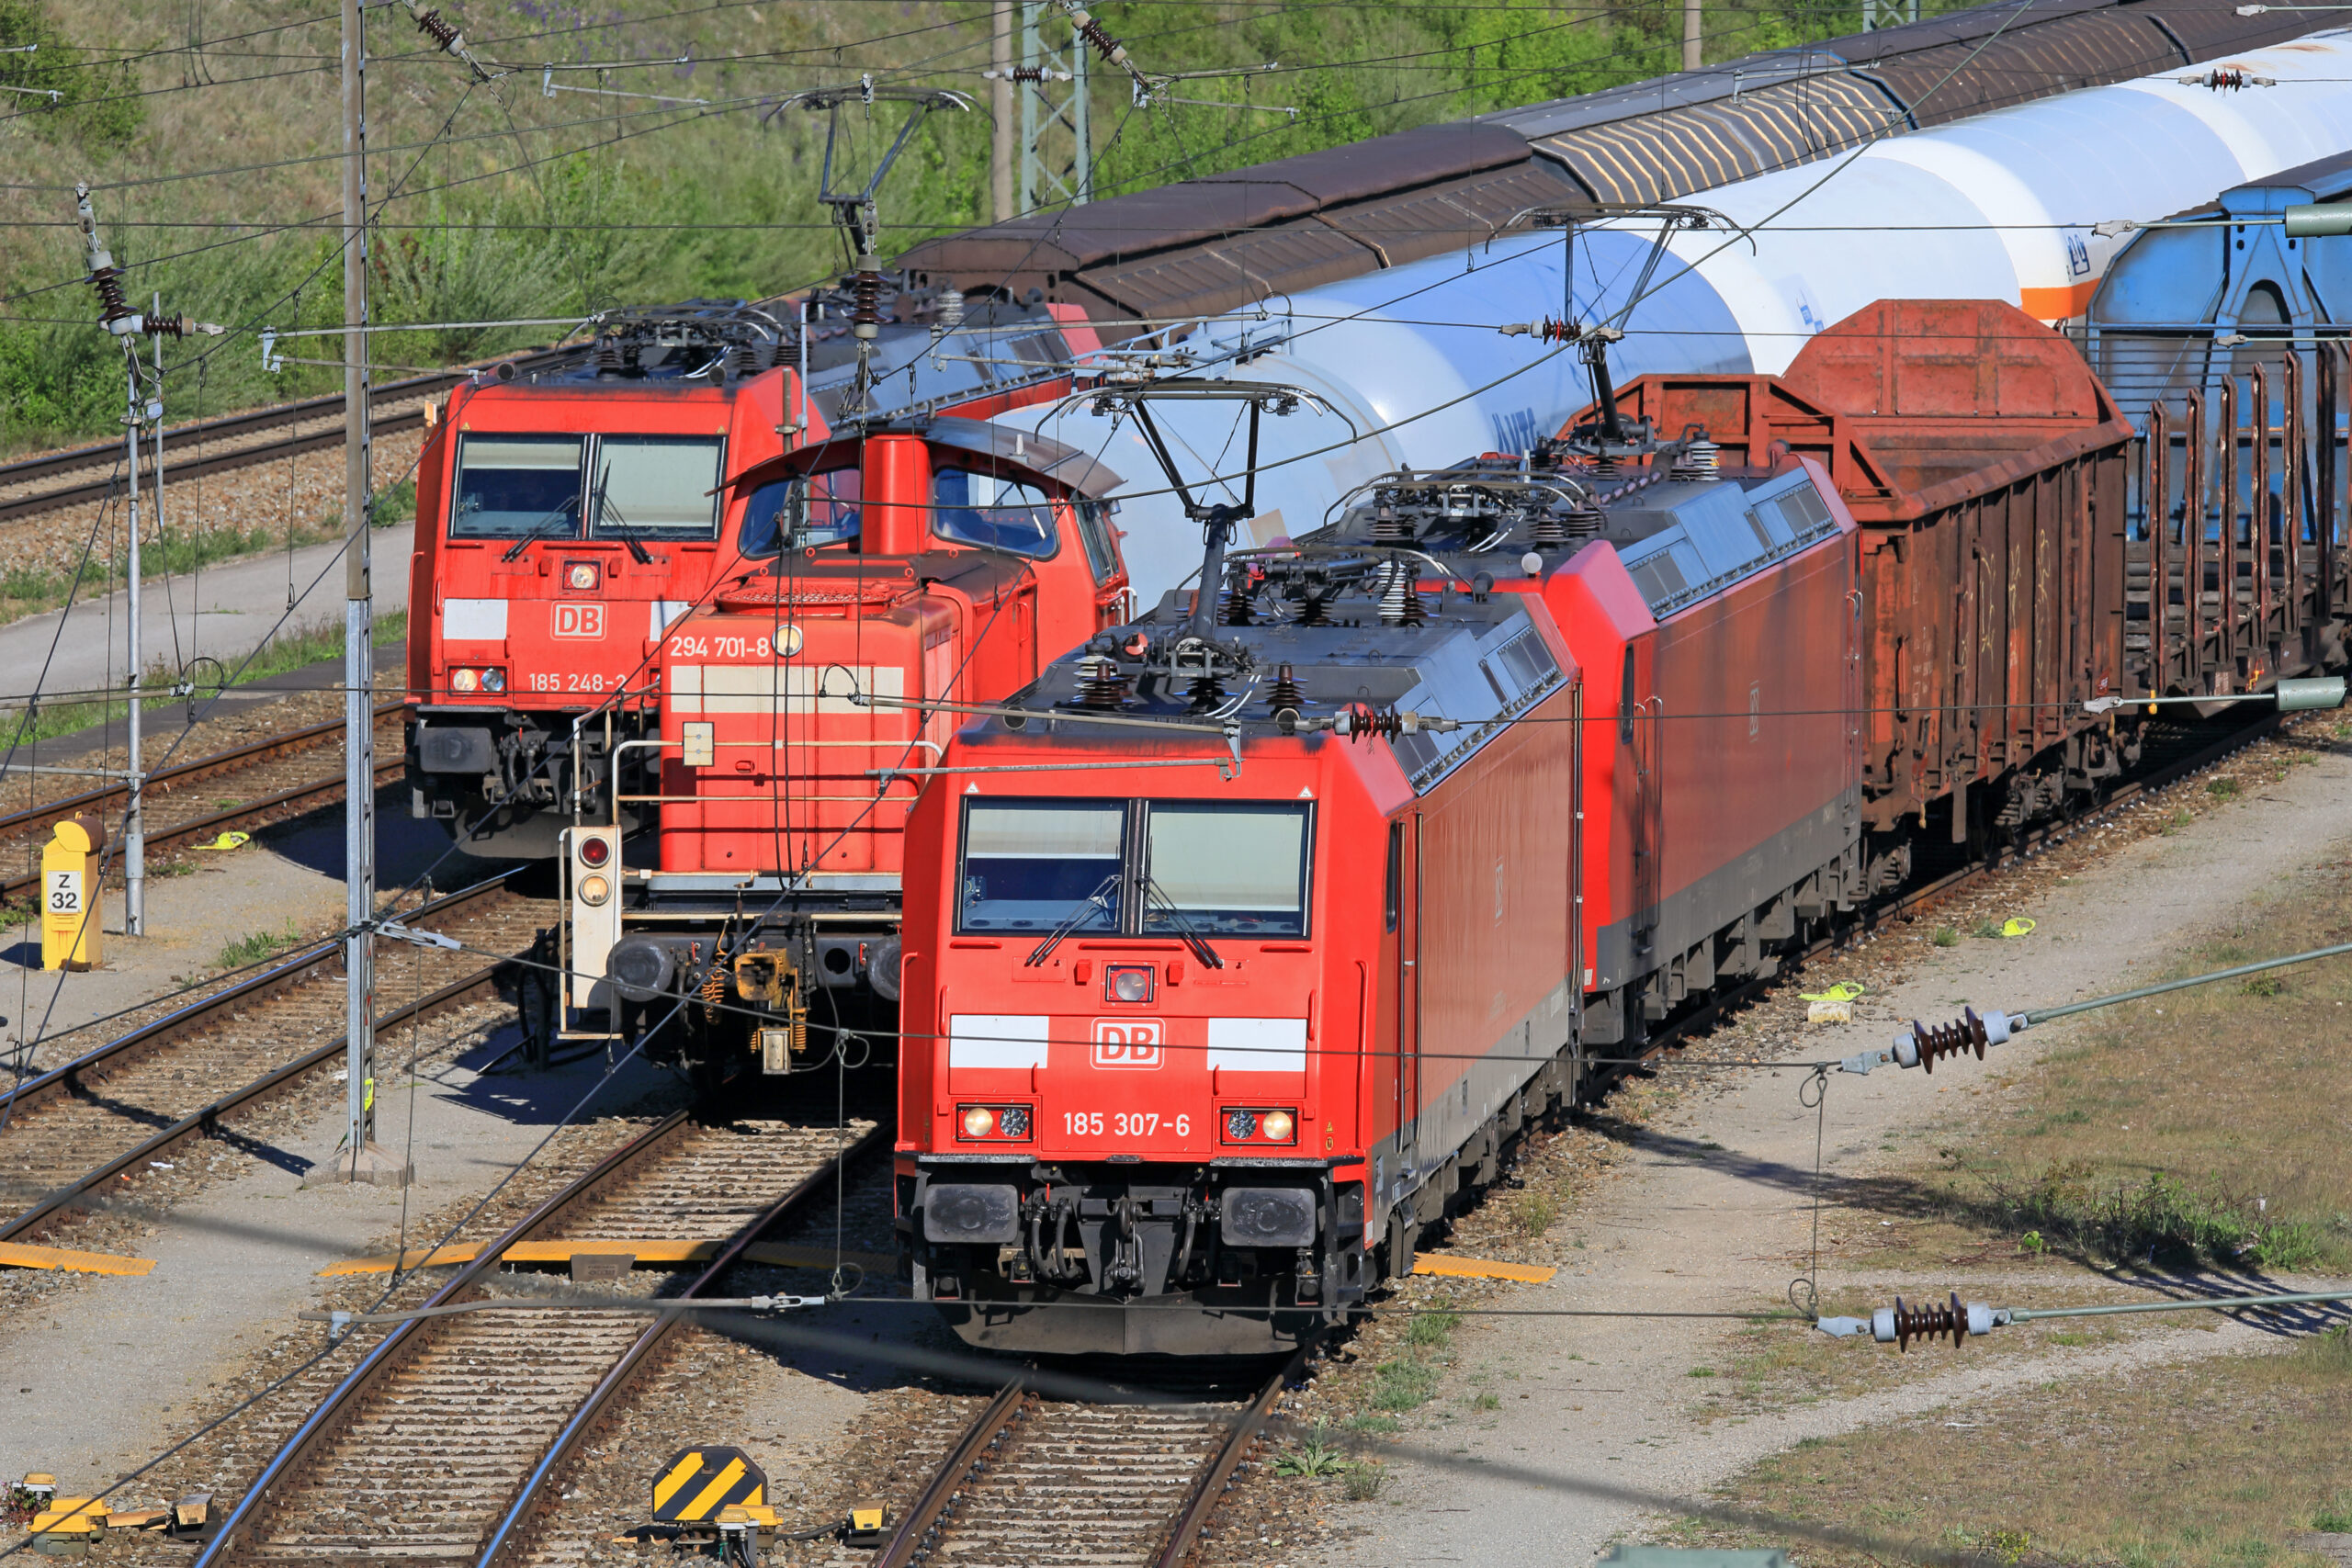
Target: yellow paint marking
x,y
18,1256
707,1498
688,1468
1480,1269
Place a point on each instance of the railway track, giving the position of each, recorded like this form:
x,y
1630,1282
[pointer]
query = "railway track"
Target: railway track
x,y
104,1114
1033,1483
439,1445
274,778
237,441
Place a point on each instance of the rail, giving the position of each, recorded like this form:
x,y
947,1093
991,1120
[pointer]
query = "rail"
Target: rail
x,y
72,1076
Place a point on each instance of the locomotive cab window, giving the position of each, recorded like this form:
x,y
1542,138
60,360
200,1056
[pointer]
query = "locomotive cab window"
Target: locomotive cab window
x,y
1094,529
1225,870
801,513
512,487
542,487
995,513
1031,866
656,487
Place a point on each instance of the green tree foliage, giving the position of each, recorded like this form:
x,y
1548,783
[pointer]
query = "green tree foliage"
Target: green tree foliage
x,y
93,103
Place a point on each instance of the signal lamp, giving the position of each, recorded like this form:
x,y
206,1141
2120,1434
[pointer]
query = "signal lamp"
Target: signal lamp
x,y
1127,982
465,680
594,890
580,576
994,1124
595,851
493,680
1253,1124
478,678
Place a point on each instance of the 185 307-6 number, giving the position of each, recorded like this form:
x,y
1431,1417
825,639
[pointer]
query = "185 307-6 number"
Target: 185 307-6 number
x,y
1124,1125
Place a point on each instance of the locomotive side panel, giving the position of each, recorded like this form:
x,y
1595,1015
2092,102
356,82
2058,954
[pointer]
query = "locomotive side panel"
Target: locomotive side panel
x,y
1751,741
1495,843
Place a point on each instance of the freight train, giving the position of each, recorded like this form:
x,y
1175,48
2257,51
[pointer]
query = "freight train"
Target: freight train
x,y
1240,947
567,517
1378,276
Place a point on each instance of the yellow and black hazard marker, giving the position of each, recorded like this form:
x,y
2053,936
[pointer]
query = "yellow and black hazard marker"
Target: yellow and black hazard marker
x,y
698,1482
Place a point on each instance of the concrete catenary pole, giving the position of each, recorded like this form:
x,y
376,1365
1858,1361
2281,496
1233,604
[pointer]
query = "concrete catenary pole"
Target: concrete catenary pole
x,y
1003,133
1693,54
361,1160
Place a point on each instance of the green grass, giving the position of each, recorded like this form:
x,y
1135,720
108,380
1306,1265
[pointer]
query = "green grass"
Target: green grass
x,y
645,205
255,947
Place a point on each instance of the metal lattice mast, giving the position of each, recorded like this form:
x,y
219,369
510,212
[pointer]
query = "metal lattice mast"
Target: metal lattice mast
x,y
1057,151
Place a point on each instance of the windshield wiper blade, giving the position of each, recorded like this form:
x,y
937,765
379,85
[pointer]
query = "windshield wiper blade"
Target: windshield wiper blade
x,y
604,508
1094,900
1193,938
554,513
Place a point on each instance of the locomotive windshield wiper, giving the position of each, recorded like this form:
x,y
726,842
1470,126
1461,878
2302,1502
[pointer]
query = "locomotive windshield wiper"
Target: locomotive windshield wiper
x,y
1193,938
604,508
555,514
1093,901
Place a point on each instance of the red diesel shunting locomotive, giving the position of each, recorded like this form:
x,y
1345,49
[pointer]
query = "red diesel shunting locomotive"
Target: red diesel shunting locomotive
x,y
565,520
1237,948
937,562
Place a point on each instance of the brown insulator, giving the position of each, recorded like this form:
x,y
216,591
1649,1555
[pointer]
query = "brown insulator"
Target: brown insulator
x,y
743,359
1205,692
1549,529
1311,610
1100,686
1235,609
112,306
1284,692
1387,528
435,27
1585,522
608,356
1950,1039
1700,460
1930,1323
865,296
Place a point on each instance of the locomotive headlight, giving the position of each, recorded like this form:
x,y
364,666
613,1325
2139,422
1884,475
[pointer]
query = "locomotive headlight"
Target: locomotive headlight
x,y
465,680
994,1124
1127,982
493,680
1241,1126
594,890
1277,1126
1259,1124
580,576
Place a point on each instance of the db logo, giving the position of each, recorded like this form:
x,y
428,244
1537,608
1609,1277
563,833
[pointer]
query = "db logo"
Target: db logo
x,y
1128,1042
579,620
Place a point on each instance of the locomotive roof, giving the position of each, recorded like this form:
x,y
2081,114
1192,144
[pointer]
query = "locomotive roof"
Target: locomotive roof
x,y
1682,536
1479,660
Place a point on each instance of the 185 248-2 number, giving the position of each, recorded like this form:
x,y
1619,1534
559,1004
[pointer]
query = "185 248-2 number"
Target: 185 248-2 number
x,y
1123,1123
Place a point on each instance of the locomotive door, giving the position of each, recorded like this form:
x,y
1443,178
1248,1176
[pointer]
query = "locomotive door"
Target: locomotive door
x,y
1641,729
1405,920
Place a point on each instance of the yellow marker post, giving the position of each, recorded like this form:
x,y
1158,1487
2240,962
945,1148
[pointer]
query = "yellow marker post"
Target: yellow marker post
x,y
70,935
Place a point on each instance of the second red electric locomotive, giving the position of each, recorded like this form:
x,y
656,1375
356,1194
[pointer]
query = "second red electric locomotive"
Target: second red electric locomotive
x,y
1244,942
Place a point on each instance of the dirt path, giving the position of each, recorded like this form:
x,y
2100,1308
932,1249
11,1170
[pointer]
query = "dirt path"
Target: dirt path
x,y
1713,1210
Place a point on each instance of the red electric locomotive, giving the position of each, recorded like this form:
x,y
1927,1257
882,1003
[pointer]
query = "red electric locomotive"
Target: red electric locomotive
x,y
566,518
937,561
1238,947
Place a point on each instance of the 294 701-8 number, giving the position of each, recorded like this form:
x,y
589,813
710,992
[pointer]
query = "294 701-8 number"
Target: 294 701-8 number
x,y
1123,1124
